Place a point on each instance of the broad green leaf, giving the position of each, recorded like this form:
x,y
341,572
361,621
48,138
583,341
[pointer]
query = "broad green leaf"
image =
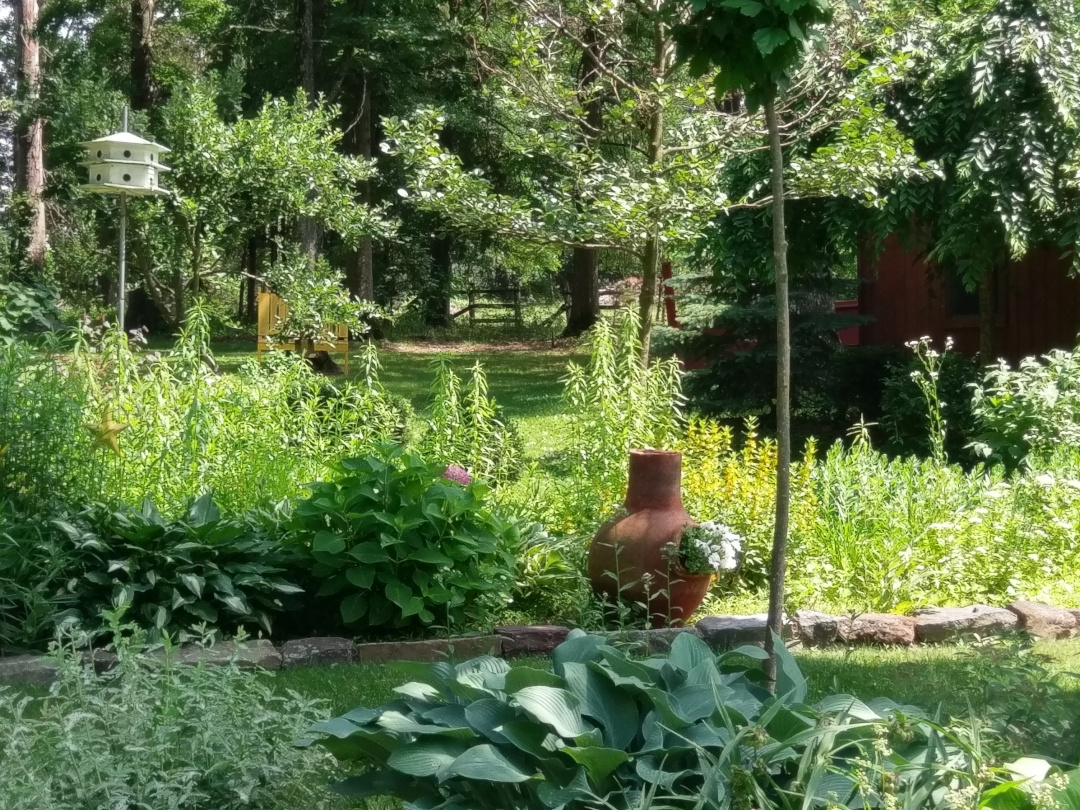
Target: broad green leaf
x,y
749,8
328,543
553,707
790,682
400,594
194,583
1068,798
520,677
425,757
687,651
396,721
488,716
769,39
353,608
600,762
614,709
486,763
578,647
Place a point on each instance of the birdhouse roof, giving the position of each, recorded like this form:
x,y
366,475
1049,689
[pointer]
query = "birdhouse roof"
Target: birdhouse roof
x,y
125,138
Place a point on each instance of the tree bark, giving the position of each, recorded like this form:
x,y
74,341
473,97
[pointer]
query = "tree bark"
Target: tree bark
x,y
987,318
437,300
778,569
359,272
584,308
309,228
143,90
29,157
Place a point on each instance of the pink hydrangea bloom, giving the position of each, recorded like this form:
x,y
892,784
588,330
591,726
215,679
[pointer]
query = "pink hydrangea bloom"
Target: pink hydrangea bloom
x,y
458,475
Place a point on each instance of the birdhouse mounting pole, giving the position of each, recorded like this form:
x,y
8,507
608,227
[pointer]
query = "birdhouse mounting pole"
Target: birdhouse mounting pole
x,y
121,302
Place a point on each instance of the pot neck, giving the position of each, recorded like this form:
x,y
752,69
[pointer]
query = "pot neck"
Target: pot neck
x,y
655,480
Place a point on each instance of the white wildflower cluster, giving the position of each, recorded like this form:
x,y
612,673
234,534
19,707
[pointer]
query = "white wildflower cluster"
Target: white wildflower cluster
x,y
719,544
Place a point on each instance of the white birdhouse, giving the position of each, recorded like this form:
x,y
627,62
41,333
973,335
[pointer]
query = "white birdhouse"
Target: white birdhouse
x,y
124,163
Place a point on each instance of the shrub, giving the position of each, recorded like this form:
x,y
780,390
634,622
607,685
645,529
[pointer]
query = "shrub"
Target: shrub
x,y
202,573
1032,409
614,404
738,488
151,734
398,544
551,585
905,417
35,570
467,427
604,730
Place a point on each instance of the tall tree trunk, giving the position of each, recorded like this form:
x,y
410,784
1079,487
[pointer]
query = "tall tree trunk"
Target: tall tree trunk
x,y
584,308
359,273
29,154
305,35
585,269
987,318
437,299
778,570
650,260
143,91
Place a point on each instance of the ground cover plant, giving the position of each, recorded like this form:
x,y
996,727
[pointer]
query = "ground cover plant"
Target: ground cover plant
x,y
602,730
153,734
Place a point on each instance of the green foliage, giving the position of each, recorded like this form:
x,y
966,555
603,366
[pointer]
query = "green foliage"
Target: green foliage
x,y
35,572
615,405
204,573
1029,411
756,44
551,586
44,448
988,93
25,308
910,422
602,729
152,733
317,300
467,427
397,545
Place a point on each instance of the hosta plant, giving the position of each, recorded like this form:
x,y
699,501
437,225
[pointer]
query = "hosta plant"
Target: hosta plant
x,y
602,730
396,543
182,576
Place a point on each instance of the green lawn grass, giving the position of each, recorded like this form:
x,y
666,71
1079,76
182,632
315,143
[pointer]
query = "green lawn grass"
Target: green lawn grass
x,y
526,379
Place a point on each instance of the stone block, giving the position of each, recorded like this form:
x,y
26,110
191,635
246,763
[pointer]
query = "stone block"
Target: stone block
x,y
1044,621
27,669
318,651
437,649
724,632
940,624
537,639
877,628
260,654
814,629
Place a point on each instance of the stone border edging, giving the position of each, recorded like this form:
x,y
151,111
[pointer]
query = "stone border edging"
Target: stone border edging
x,y
805,628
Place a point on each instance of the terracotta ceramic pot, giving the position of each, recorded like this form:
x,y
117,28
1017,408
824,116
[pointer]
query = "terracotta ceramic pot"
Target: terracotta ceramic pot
x,y
633,546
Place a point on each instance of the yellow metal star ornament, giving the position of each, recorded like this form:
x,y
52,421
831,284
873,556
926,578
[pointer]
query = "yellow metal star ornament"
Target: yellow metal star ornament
x,y
106,431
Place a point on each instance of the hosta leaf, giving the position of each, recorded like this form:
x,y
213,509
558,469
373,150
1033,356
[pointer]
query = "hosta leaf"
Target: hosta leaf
x,y
614,709
396,721
648,768
425,757
790,682
374,783
600,762
521,677
1068,798
687,651
553,707
693,702
335,726
488,716
484,762
554,796
532,738
578,647
203,611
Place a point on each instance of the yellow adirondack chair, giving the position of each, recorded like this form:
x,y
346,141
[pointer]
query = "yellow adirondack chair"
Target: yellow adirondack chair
x,y
273,312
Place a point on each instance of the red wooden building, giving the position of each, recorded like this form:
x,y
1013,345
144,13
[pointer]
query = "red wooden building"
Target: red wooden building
x,y
1036,303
